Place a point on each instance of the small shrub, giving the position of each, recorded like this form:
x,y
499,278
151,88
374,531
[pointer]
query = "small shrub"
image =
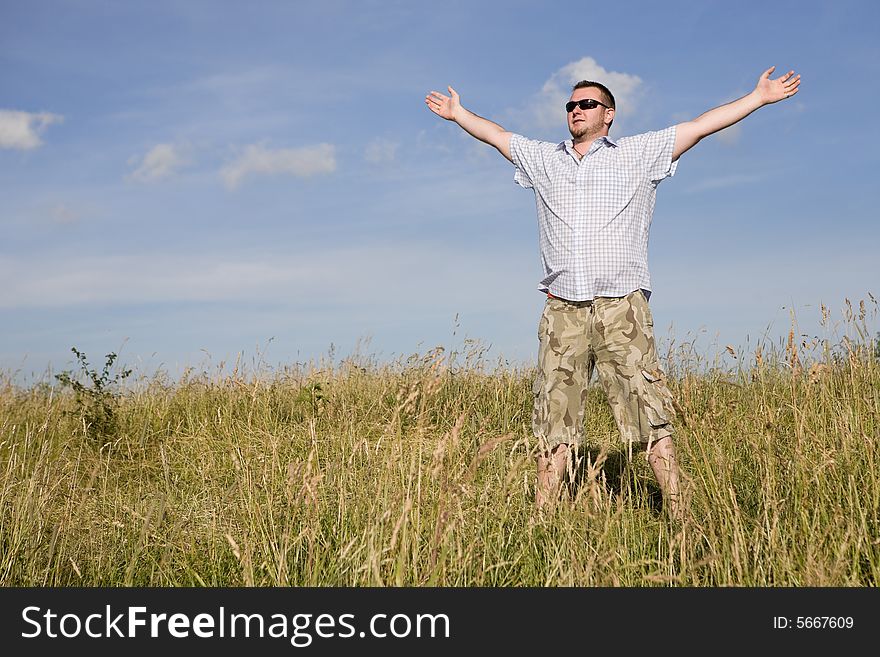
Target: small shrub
x,y
97,402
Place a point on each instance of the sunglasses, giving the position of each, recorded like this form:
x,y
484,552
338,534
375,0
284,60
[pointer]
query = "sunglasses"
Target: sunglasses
x,y
585,104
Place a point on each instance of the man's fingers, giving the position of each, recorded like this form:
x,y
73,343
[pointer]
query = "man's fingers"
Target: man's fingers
x,y
436,103
767,73
790,88
794,83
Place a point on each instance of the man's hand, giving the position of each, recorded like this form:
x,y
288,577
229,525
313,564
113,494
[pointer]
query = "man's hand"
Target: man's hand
x,y
443,106
772,91
767,91
449,107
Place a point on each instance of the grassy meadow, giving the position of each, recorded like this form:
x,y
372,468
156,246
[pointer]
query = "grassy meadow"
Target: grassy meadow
x,y
422,472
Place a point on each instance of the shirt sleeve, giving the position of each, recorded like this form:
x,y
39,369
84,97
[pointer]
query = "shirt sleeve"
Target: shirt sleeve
x,y
657,150
527,157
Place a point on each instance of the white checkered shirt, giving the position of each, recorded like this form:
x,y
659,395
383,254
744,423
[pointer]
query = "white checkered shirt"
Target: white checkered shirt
x,y
594,214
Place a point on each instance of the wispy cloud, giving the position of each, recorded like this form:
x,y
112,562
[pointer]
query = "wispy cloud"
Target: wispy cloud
x,y
259,160
729,136
22,130
160,162
372,275
379,151
545,110
723,182
62,213
142,279
52,210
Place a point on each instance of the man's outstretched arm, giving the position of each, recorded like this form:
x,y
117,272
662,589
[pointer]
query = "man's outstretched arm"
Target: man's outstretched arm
x,y
766,92
449,108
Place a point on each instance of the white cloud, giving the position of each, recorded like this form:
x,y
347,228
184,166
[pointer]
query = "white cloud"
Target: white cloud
x,y
160,162
22,130
301,162
546,110
381,150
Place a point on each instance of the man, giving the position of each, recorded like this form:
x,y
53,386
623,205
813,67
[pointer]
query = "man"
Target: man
x,y
595,200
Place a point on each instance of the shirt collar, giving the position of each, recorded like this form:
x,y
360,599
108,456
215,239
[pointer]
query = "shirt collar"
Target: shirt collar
x,y
568,144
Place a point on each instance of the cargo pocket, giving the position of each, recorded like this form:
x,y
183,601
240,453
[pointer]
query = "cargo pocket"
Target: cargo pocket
x,y
656,398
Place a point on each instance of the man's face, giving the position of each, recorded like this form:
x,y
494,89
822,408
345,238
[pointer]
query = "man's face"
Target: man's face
x,y
591,121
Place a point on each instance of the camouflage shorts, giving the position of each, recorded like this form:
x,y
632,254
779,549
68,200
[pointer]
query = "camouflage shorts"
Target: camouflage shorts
x,y
616,337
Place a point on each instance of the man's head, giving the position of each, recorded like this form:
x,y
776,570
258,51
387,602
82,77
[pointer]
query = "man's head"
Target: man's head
x,y
588,119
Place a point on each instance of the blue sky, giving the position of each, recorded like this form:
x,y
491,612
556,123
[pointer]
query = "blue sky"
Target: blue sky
x,y
191,182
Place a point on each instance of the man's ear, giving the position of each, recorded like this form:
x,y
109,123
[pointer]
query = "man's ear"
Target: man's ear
x,y
609,115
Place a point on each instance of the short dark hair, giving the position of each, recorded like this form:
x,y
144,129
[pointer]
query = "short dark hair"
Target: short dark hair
x,y
609,97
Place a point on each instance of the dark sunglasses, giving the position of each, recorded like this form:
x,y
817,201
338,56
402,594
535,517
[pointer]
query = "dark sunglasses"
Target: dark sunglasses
x,y
585,104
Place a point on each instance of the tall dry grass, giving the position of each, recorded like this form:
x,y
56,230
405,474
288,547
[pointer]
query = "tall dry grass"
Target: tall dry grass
x,y
421,472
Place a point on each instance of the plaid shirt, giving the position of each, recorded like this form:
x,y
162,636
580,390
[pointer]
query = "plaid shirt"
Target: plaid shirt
x,y
594,213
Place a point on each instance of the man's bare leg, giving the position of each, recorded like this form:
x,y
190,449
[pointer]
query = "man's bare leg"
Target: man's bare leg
x,y
551,472
661,457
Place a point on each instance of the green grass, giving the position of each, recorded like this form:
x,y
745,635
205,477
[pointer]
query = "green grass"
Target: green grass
x,y
422,473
